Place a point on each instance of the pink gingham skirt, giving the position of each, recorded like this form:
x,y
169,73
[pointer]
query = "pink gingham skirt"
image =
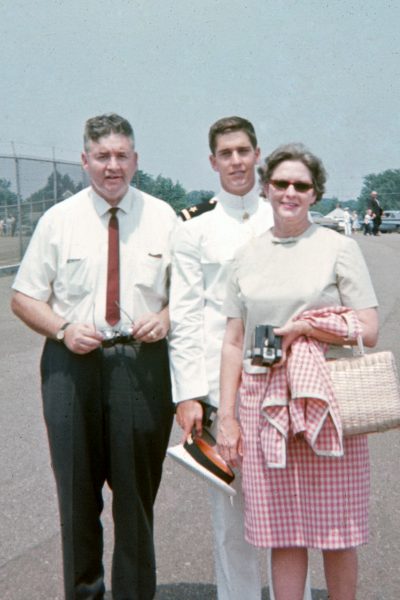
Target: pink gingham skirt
x,y
315,501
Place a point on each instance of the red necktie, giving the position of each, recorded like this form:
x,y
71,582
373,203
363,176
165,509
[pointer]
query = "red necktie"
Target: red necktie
x,y
112,304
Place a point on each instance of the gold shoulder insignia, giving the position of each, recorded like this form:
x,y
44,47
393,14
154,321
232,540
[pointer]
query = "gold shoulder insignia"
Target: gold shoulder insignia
x,y
197,209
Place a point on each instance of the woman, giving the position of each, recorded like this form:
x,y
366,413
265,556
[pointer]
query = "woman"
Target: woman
x,y
309,500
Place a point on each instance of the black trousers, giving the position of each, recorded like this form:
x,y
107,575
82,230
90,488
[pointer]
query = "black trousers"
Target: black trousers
x,y
108,416
376,225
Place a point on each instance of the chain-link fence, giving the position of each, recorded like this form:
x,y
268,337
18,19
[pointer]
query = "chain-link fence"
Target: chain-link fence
x,y
28,187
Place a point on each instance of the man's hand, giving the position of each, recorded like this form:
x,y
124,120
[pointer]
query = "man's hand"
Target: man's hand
x,y
81,338
152,327
189,416
38,315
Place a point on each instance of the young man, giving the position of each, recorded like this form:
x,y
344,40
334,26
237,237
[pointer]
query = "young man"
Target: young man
x,y
94,282
202,251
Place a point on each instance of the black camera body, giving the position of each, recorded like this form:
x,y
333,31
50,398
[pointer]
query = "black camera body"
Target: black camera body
x,y
209,414
267,346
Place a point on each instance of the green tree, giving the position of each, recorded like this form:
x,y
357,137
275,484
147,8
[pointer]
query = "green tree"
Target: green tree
x,y
387,184
198,196
7,197
144,182
65,187
161,187
173,193
326,205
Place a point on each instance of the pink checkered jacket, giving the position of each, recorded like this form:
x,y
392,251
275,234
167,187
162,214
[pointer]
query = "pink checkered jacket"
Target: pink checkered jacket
x,y
299,398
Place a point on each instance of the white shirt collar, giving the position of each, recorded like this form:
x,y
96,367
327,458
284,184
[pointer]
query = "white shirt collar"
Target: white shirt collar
x,y
102,206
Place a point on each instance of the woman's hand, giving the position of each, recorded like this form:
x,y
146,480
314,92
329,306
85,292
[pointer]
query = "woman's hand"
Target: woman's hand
x,y
368,318
290,332
229,440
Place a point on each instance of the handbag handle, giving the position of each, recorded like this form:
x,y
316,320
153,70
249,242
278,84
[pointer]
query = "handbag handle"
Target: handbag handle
x,y
359,350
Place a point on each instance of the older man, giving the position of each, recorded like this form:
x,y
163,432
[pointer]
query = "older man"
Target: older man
x,y
377,211
94,282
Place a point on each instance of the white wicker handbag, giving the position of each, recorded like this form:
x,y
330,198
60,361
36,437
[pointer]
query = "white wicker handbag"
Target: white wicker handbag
x,y
368,391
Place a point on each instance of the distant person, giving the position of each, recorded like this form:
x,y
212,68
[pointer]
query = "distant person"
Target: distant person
x,y
202,253
368,222
1,227
8,225
377,211
94,281
13,225
347,222
355,221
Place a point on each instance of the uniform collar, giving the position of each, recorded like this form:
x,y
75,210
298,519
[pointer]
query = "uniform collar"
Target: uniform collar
x,y
102,206
238,205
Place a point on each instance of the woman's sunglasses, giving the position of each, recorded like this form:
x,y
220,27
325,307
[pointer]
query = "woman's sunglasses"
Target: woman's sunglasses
x,y
299,186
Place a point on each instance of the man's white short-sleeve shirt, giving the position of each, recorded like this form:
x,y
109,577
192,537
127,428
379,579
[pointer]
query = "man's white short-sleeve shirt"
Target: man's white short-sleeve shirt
x,y
65,264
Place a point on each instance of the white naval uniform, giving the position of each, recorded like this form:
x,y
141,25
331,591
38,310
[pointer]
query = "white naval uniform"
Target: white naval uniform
x,y
203,249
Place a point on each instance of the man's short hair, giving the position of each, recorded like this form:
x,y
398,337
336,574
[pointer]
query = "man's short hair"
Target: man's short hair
x,y
103,125
228,125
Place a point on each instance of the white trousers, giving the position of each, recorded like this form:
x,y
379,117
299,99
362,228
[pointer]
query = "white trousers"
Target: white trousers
x,y
237,565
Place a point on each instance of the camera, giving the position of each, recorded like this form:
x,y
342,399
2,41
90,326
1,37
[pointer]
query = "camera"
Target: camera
x,y
267,346
209,414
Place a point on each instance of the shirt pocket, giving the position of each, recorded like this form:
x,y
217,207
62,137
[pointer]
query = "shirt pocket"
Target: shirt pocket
x,y
149,272
78,274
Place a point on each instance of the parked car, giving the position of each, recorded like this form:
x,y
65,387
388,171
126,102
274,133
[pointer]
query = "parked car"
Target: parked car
x,y
320,219
390,221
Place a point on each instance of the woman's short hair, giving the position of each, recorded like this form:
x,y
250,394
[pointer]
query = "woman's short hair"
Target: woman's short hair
x,y
298,152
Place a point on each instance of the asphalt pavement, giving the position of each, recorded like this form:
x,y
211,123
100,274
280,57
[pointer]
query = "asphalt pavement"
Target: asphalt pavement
x,y
30,556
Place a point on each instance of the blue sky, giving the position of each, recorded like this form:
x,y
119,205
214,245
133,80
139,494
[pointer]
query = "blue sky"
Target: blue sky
x,y
323,73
